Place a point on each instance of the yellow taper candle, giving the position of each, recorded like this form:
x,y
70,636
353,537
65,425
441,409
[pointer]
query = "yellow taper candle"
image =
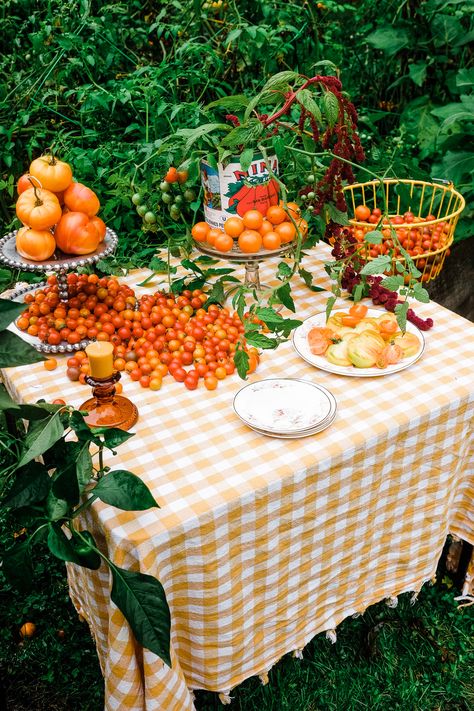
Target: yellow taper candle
x,y
101,359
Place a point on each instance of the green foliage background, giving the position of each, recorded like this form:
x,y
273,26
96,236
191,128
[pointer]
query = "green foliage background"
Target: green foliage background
x,y
105,82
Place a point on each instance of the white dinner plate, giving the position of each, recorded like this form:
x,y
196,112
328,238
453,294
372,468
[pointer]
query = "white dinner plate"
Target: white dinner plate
x,y
301,346
287,407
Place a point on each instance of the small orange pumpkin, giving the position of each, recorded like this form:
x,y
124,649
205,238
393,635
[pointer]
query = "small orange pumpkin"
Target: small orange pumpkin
x,y
36,245
38,208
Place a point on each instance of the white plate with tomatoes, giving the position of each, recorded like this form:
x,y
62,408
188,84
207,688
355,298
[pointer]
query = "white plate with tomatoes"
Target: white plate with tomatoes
x,y
413,344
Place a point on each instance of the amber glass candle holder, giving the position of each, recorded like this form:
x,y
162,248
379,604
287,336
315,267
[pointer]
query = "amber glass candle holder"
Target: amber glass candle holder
x,y
106,408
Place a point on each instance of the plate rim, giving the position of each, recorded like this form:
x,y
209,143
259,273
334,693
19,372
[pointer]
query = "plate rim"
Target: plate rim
x,y
321,388
361,372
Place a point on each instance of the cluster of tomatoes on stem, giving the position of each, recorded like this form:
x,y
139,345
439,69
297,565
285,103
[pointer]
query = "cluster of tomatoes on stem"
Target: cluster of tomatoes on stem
x,y
254,231
172,193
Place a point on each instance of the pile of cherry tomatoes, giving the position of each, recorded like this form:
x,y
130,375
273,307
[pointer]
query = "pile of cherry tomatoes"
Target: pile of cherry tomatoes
x,y
417,235
254,231
153,336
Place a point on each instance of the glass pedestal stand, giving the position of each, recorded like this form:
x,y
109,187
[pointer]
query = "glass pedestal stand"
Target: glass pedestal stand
x,y
251,263
59,264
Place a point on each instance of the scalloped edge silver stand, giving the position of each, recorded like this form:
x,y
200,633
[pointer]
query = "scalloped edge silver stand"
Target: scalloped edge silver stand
x,y
59,266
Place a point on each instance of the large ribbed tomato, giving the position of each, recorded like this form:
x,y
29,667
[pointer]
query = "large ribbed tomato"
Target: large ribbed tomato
x,y
54,174
25,182
36,245
75,233
80,198
100,226
38,208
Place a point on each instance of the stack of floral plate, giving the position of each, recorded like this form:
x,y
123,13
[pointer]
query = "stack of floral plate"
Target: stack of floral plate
x,y
285,407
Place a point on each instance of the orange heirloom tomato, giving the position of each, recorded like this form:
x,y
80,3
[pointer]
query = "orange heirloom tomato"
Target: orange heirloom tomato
x,y
358,310
54,174
25,182
80,198
38,208
100,226
319,340
172,175
36,245
350,321
75,233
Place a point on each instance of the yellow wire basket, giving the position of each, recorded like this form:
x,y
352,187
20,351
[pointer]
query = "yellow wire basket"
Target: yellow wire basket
x,y
423,215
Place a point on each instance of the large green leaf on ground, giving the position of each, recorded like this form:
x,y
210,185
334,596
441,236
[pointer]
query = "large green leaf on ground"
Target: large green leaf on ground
x,y
9,310
142,600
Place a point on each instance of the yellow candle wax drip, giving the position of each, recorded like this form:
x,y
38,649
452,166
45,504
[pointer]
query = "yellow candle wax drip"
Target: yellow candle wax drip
x,y
101,359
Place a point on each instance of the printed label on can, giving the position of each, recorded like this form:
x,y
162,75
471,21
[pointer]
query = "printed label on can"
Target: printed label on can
x,y
230,191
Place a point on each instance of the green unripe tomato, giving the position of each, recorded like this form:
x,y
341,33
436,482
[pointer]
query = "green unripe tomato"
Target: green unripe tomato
x,y
137,199
178,200
310,208
149,217
311,195
175,212
310,178
167,198
142,210
189,195
165,187
304,197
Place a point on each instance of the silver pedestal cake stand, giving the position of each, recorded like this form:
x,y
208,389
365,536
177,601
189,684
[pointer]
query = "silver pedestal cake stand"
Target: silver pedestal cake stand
x,y
59,264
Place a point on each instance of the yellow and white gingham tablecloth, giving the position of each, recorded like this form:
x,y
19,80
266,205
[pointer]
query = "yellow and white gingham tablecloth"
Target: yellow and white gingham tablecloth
x,y
262,543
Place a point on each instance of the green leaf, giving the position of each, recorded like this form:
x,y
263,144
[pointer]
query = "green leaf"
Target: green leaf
x,y
246,157
9,310
374,237
417,72
260,341
6,402
305,98
142,600
82,430
389,39
35,412
446,30
417,119
17,566
377,265
465,78
124,490
84,468
392,282
401,314
41,435
455,166
243,135
420,293
280,80
65,485
14,351
330,107
329,306
113,436
284,270
235,102
216,295
31,485
241,361
284,295
56,508
308,280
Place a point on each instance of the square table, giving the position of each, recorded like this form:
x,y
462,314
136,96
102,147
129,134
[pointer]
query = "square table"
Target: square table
x,y
262,543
